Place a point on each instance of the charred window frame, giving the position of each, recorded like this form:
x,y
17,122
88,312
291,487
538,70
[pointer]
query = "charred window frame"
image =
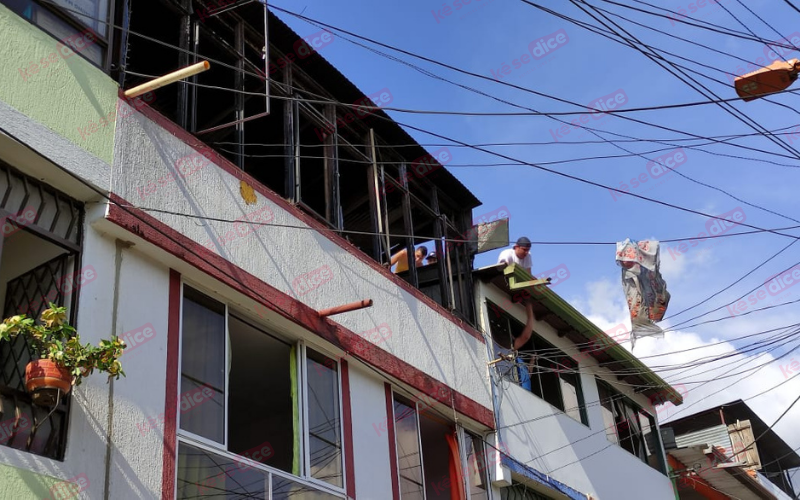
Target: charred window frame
x,y
542,368
88,34
333,166
428,218
40,258
629,426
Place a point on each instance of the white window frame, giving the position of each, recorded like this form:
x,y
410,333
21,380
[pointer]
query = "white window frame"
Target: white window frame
x,y
221,449
306,437
463,438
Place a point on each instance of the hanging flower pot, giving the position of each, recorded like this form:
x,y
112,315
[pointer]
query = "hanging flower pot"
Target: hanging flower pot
x,y
64,360
44,379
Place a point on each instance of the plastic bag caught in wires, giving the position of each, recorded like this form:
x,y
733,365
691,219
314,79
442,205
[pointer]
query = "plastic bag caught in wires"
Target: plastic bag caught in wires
x,y
645,289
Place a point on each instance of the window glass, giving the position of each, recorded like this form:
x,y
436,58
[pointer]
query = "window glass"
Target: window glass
x,y
573,397
286,489
202,393
206,475
324,425
608,410
440,458
630,427
92,13
477,468
261,412
408,453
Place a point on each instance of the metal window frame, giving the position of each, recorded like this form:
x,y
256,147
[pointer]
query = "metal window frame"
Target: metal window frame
x,y
302,400
305,410
105,42
415,406
226,353
73,249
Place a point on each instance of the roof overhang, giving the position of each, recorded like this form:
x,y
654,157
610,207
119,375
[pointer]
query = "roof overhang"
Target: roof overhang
x,y
549,307
732,481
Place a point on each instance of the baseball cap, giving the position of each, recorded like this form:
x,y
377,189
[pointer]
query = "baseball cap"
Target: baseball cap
x,y
523,242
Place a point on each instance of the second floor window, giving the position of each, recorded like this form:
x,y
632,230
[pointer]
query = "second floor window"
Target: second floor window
x,y
255,410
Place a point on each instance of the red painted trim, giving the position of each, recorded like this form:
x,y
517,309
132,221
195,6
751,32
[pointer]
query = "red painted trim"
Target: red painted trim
x,y
275,198
394,465
696,483
168,475
347,417
163,236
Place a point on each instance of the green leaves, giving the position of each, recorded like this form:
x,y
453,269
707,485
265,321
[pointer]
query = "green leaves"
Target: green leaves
x,y
56,340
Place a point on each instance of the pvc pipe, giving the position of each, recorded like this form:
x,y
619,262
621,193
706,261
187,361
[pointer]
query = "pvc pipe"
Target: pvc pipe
x,y
167,79
353,306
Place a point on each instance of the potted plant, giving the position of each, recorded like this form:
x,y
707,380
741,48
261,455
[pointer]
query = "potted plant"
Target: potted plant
x,y
63,360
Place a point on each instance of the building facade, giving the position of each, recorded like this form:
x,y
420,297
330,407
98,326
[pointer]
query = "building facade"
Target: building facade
x,y
209,223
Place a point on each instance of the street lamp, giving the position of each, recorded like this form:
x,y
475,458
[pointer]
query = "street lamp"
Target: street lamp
x,y
773,78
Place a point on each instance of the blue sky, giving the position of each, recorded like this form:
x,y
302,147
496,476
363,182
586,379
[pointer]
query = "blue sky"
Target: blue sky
x,y
486,34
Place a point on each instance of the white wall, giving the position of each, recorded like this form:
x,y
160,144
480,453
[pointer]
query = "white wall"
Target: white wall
x,y
421,336
371,457
532,429
136,460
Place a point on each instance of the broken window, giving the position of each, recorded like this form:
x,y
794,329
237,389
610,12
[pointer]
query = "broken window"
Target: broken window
x,y
630,427
40,256
255,410
540,367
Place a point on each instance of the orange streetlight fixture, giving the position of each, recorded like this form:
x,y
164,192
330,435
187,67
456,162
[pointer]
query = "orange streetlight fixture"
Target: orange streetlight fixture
x,y
773,78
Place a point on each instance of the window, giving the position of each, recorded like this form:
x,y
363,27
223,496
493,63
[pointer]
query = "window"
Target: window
x,y
477,467
541,367
256,411
630,427
81,26
40,259
430,463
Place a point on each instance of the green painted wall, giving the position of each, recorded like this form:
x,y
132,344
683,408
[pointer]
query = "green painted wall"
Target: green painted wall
x,y
66,95
21,484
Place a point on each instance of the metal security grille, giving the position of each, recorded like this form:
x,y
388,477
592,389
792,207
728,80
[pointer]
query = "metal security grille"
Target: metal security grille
x,y
35,220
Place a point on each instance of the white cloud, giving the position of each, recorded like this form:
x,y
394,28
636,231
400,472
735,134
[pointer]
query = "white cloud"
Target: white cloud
x,y
705,388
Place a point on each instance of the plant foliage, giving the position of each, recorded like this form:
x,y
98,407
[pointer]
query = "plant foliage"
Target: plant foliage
x,y
56,340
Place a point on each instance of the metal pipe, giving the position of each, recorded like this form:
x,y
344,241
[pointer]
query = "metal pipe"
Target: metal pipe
x,y
167,79
353,306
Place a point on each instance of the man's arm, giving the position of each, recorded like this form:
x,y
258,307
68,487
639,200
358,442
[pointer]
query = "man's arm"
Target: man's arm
x,y
528,330
396,257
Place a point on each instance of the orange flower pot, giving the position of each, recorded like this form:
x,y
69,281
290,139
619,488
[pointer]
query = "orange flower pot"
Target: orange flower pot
x,y
44,379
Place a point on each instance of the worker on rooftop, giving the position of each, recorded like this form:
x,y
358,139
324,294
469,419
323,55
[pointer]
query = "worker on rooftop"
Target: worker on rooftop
x,y
519,255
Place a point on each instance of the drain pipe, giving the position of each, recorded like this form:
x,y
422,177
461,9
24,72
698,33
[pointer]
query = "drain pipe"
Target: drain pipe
x,y
353,306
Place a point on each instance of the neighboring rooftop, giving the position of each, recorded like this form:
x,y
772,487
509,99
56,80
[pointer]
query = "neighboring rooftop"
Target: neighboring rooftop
x,y
771,446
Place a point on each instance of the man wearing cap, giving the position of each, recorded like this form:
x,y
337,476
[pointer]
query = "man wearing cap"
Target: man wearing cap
x,y
433,258
519,255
